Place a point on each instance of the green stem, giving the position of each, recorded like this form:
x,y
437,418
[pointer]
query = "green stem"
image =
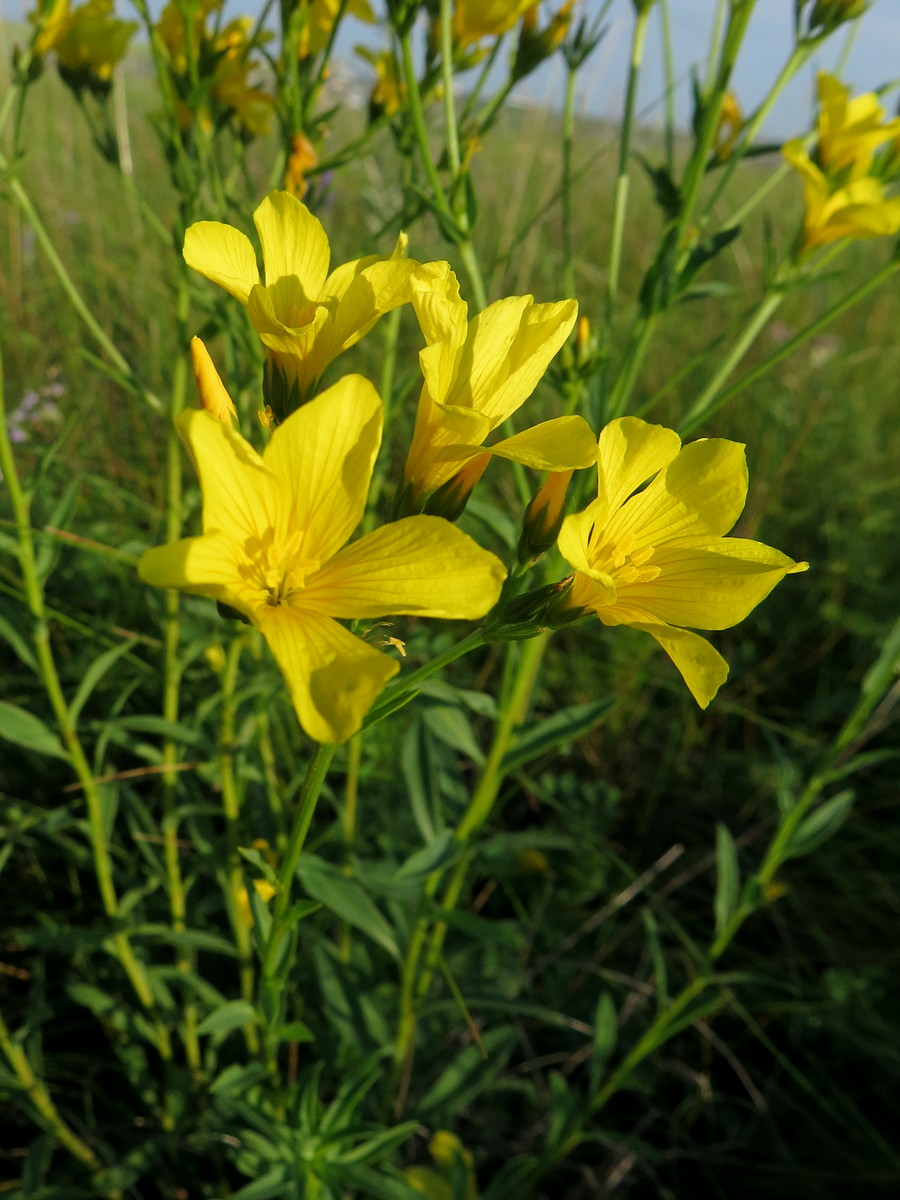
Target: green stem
x,y
706,401
275,957
68,730
37,1093
30,213
451,132
409,682
348,827
665,31
231,807
568,140
620,201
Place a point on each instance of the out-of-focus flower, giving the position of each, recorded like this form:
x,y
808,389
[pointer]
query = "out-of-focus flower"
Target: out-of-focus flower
x,y
223,60
477,374
657,559
305,316
535,45
859,210
36,410
303,156
477,19
455,1176
317,19
88,41
389,92
843,198
274,548
731,122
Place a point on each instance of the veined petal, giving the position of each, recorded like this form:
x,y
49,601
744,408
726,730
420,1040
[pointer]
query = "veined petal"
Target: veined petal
x,y
630,451
323,456
439,308
274,333
502,380
206,566
711,587
556,445
341,277
333,677
380,288
575,535
701,492
420,565
293,242
702,667
445,436
240,493
223,255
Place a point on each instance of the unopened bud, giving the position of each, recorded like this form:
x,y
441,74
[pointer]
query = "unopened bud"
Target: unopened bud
x,y
214,397
544,517
303,157
827,15
450,500
534,612
731,122
535,45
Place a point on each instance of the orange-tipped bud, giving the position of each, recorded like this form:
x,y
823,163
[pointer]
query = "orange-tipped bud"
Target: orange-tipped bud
x,y
544,517
303,157
450,500
214,397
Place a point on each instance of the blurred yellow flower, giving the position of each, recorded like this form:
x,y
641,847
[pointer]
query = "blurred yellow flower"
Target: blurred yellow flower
x,y
731,122
88,41
657,559
303,157
317,18
273,548
477,19
477,374
304,315
841,195
860,209
389,92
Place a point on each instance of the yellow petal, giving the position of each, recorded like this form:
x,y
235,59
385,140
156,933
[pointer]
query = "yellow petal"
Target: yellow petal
x,y
630,452
214,396
284,329
420,565
240,493
440,311
322,457
508,349
556,445
341,277
204,566
333,677
574,536
293,242
702,667
224,255
380,288
711,587
700,493
445,437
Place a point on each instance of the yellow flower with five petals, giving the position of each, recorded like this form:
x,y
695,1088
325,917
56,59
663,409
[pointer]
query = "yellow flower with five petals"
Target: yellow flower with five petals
x,y
859,209
304,315
477,19
477,374
657,559
274,547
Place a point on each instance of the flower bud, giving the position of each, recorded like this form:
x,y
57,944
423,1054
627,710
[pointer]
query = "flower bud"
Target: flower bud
x,y
450,500
303,156
544,517
731,122
214,397
827,15
535,45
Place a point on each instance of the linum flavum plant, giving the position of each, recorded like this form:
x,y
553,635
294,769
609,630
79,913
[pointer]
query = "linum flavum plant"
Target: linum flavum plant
x,y
317,876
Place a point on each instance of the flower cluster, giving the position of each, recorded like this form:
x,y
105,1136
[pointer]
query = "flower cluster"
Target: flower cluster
x,y
276,548
88,41
843,193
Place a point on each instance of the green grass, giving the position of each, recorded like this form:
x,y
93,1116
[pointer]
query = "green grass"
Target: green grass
x,y
791,1089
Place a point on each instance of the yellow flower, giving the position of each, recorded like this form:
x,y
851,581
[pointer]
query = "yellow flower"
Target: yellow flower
x,y
88,40
251,105
477,374
477,19
389,92
859,209
303,157
657,559
318,18
304,316
51,23
849,131
273,548
731,122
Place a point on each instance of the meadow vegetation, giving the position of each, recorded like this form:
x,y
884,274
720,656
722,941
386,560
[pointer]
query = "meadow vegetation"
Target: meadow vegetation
x,y
637,990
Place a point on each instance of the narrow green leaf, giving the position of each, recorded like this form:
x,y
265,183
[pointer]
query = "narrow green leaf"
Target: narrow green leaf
x,y
295,1031
567,725
94,674
472,1072
378,1146
606,1033
438,853
230,1016
346,899
820,825
10,634
23,728
274,1183
728,878
237,1080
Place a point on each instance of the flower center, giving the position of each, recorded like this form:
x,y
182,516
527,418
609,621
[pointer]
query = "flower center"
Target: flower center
x,y
276,565
622,561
